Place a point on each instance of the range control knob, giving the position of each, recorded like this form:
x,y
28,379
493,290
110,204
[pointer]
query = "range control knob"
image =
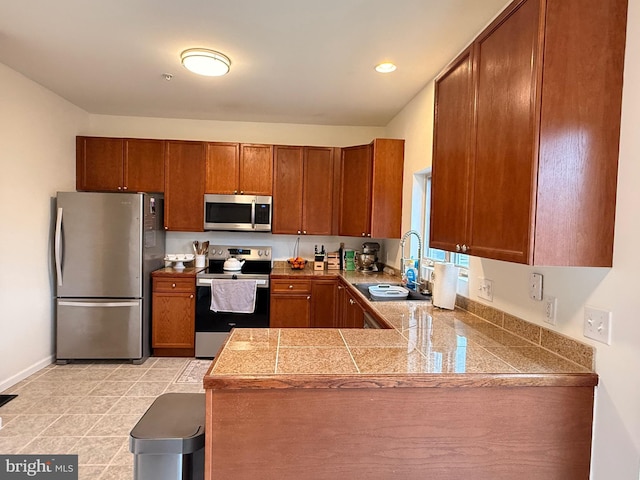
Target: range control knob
x,y
260,253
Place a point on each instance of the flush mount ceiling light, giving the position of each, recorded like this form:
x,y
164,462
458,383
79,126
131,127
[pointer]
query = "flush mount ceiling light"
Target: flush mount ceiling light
x,y
386,67
205,62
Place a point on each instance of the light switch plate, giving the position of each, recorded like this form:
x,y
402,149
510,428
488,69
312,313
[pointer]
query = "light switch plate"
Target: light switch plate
x,y
485,289
535,287
597,324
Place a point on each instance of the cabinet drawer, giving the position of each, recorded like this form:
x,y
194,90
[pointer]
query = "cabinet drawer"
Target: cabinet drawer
x,y
187,285
293,286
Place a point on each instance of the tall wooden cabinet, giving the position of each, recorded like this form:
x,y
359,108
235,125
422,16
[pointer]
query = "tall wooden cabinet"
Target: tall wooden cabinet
x,y
119,164
451,173
303,190
371,189
541,153
184,187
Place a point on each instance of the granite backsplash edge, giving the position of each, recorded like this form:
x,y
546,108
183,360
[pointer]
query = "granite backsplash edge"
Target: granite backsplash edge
x,y
557,343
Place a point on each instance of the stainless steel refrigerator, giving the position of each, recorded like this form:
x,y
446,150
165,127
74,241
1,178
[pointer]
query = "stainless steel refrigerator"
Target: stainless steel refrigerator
x,y
106,246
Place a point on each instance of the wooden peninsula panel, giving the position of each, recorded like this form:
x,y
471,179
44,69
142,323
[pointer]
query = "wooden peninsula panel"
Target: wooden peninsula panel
x,y
409,433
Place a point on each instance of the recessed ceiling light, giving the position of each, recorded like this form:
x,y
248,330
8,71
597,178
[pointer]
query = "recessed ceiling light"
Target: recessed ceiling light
x,y
205,62
386,67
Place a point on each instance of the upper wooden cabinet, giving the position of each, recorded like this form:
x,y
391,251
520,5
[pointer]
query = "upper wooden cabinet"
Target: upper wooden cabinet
x,y
184,188
371,189
119,164
527,156
239,169
452,148
303,190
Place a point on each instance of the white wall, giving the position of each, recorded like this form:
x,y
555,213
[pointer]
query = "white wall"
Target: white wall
x,y
37,158
616,450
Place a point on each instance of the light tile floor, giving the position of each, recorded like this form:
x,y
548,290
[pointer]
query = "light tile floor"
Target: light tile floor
x,y
87,409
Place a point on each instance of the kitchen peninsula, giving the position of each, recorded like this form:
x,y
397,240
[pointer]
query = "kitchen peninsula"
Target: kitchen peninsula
x,y
443,394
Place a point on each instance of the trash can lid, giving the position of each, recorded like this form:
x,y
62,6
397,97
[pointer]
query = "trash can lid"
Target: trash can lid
x,y
174,423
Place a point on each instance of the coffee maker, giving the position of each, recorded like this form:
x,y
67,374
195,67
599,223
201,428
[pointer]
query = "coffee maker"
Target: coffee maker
x,y
367,260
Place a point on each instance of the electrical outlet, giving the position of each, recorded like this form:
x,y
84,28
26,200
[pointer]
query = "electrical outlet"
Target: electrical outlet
x,y
550,309
485,290
597,324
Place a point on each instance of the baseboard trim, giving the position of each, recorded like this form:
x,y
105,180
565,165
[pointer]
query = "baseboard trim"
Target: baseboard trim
x,y
18,377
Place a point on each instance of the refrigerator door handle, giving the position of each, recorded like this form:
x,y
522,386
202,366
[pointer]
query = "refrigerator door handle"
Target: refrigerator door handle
x,y
58,246
99,304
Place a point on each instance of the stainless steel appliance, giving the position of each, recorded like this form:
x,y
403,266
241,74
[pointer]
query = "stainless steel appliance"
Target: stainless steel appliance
x,y
106,246
251,213
251,263
367,260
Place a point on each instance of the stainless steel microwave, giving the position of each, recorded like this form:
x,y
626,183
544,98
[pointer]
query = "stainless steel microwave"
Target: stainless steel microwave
x,y
237,213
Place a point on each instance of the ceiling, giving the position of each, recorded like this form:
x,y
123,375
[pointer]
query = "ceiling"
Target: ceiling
x,y
293,61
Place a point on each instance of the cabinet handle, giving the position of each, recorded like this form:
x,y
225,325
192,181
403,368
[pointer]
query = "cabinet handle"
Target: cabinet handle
x,y
124,188
304,232
235,192
166,228
173,285
457,247
368,234
364,234
191,296
340,287
119,188
464,248
351,301
299,232
308,297
290,286
241,192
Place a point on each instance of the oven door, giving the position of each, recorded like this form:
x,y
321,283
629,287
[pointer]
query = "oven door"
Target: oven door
x,y
209,321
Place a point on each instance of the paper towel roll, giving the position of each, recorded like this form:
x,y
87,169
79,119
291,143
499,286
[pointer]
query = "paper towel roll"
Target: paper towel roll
x,y
445,283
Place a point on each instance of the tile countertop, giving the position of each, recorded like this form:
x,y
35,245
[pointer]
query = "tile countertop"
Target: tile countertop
x,y
428,347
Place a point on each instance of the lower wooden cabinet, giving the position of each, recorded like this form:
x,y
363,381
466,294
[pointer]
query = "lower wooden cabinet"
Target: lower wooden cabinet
x,y
352,315
324,303
173,316
314,302
290,303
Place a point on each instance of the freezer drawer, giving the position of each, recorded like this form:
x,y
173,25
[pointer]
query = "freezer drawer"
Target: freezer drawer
x,y
99,329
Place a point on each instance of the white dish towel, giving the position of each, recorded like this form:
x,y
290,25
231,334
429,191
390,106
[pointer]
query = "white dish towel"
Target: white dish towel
x,y
235,296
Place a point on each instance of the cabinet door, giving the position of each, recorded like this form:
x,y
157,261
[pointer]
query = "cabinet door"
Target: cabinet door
x,y
324,297
290,311
352,312
386,188
256,169
318,191
184,189
505,164
452,155
287,190
223,168
99,164
173,323
355,191
143,165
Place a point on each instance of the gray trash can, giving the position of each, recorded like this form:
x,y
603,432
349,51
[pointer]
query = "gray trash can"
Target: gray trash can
x,y
168,441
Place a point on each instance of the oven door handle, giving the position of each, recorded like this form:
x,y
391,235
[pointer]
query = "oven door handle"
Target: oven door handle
x,y
207,281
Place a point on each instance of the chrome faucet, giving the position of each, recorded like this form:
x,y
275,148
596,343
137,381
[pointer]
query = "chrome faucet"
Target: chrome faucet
x,y
402,259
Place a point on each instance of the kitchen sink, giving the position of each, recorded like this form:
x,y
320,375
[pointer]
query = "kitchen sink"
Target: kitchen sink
x,y
413,295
